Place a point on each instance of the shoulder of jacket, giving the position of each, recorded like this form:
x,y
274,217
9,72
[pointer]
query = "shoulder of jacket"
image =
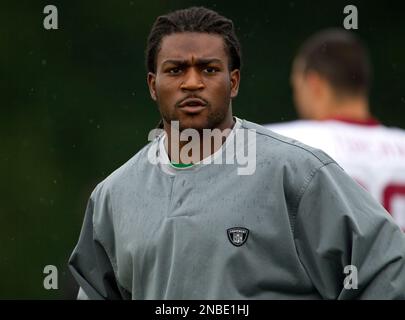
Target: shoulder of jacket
x,y
288,146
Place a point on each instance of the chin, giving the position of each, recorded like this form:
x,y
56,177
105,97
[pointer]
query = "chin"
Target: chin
x,y
194,122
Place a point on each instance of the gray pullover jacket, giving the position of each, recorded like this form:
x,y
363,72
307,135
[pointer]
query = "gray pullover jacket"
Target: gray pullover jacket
x,y
297,228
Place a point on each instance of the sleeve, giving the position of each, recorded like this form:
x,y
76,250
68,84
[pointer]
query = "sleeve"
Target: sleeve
x,y
91,266
349,245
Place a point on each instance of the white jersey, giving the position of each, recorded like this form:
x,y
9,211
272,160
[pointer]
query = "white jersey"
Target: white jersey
x,y
374,155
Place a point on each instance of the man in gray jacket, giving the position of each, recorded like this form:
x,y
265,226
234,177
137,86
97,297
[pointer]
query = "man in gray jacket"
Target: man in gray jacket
x,y
177,222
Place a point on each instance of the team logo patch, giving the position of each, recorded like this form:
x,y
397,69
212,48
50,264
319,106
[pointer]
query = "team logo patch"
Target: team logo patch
x,y
238,235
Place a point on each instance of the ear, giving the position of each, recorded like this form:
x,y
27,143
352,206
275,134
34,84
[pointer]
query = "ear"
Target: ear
x,y
235,80
151,79
316,84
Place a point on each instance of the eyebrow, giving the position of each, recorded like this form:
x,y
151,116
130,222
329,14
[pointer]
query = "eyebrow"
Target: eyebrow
x,y
198,62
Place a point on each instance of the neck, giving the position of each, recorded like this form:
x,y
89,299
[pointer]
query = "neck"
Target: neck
x,y
355,109
191,145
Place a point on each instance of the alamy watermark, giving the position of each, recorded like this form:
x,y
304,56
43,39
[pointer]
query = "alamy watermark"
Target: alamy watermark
x,y
51,280
51,20
351,21
351,280
240,150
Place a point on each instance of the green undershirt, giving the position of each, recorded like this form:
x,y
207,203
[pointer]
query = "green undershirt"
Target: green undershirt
x,y
181,165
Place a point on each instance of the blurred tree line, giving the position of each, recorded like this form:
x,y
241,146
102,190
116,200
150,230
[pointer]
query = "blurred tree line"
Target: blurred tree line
x,y
75,105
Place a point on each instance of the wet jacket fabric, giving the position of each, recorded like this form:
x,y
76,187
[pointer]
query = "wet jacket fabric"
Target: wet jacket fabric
x,y
310,231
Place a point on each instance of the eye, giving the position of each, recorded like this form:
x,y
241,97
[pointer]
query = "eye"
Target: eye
x,y
211,70
175,70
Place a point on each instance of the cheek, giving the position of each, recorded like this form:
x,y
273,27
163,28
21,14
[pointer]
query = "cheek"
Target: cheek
x,y
301,93
308,97
221,89
306,104
297,94
165,90
300,101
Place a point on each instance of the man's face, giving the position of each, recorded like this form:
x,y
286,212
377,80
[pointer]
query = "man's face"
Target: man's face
x,y
193,83
302,92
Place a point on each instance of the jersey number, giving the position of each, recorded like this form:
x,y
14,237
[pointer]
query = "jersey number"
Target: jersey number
x,y
390,192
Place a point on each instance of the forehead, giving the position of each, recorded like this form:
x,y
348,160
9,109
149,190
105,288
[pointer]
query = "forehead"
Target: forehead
x,y
189,45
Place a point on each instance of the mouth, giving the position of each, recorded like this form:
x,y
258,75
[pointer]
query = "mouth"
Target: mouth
x,y
193,105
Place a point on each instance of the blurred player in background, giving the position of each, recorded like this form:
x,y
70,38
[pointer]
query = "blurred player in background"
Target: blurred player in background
x,y
331,77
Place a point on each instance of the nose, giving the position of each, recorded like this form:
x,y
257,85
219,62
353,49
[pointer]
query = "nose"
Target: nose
x,y
192,80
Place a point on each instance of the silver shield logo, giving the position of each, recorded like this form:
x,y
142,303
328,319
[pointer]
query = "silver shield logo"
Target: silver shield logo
x,y
238,236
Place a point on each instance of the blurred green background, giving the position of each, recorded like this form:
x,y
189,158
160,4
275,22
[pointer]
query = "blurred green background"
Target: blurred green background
x,y
75,106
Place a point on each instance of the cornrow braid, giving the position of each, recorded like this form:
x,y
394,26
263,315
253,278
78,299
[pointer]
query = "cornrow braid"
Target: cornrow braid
x,y
194,19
